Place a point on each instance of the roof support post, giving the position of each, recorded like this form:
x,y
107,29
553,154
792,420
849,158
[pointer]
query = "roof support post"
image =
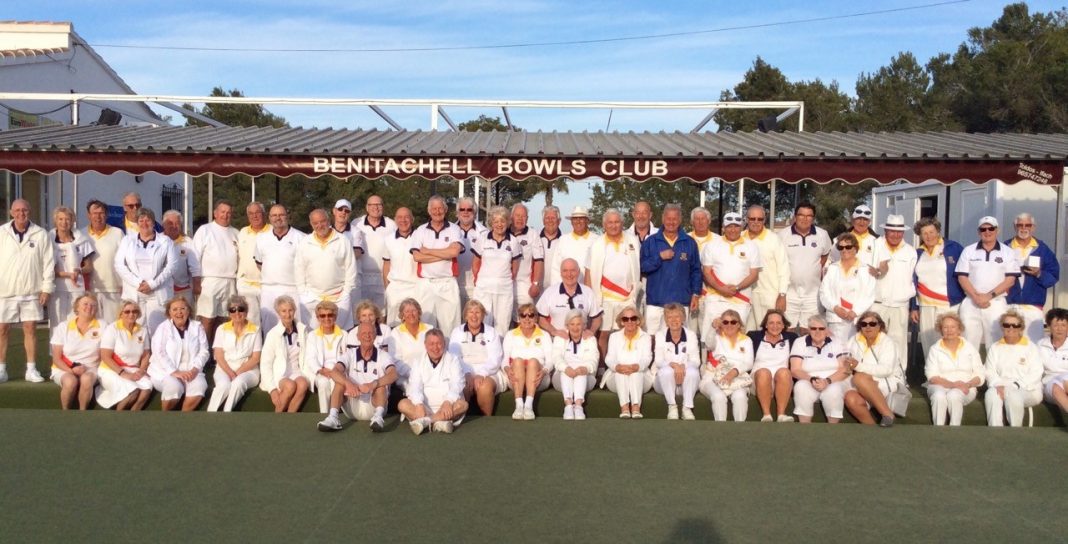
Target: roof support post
x,y
769,219
478,189
211,194
448,120
507,118
460,183
741,194
704,186
253,199
74,189
386,118
187,202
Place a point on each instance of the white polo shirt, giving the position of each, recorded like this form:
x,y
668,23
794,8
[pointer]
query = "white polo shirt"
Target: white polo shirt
x,y
819,362
633,230
530,250
426,236
325,269
78,347
247,271
896,288
127,345
803,253
986,269
374,238
366,370
548,249
539,346
731,263
397,252
277,257
217,247
1055,360
354,236
105,245
685,352
479,350
555,303
497,258
236,349
466,257
188,264
771,356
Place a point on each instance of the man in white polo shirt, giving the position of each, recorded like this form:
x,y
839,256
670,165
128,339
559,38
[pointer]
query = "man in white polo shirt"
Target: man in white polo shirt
x,y
470,228
216,244
398,267
248,273
730,265
276,254
103,281
532,262
774,279
27,279
325,269
560,298
376,229
575,245
340,214
361,383
642,225
807,248
986,270
435,248
187,273
894,261
614,273
550,238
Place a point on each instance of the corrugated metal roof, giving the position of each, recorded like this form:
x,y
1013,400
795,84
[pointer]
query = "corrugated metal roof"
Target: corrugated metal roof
x,y
300,141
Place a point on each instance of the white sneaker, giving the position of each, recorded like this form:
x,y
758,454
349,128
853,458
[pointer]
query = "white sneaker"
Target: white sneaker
x,y
330,424
518,413
673,412
569,412
3,375
786,419
33,376
579,413
687,414
528,414
377,424
419,425
443,427
767,419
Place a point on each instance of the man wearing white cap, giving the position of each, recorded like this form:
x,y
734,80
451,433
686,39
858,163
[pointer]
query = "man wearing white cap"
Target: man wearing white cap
x,y
435,246
807,247
861,228
774,279
1039,271
376,229
575,245
894,262
730,265
248,272
340,214
986,270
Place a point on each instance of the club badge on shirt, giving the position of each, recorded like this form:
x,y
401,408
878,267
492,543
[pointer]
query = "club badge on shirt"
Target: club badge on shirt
x,y
683,256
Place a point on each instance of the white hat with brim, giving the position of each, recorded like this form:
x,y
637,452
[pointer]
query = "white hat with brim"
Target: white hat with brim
x,y
894,222
578,212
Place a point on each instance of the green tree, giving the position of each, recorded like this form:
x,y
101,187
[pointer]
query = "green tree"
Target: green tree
x,y
622,195
898,97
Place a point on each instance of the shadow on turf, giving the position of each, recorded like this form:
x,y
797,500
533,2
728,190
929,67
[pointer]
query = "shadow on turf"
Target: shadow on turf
x,y
696,530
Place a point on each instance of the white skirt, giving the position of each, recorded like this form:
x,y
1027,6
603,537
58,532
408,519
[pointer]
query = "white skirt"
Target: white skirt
x,y
113,388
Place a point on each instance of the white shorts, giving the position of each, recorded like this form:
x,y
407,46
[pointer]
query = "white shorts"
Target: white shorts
x,y
612,308
57,375
214,294
20,310
1047,388
499,379
799,309
358,408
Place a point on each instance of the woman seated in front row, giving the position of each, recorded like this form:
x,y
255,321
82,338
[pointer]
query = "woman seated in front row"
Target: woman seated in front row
x,y
237,357
954,371
726,373
873,360
526,352
76,354
281,372
677,357
478,347
575,360
179,352
1054,350
630,352
124,352
817,362
1013,374
771,365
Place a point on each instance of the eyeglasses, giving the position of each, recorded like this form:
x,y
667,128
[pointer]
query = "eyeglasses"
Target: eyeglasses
x,y
526,316
843,248
628,318
346,210
326,316
1024,225
817,328
1012,325
865,324
131,312
729,321
235,309
987,229
466,209
755,218
132,206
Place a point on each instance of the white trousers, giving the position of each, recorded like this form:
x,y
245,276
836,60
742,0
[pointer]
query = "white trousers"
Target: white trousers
x,y
108,306
152,312
1034,320
574,389
981,325
946,400
344,313
323,386
440,299
739,400
61,305
373,291
1015,405
800,308
762,302
172,388
841,331
832,398
268,295
897,328
396,292
499,305
929,335
252,296
665,385
629,388
712,308
227,392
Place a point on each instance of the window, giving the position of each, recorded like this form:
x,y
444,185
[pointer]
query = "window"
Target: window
x,y
929,206
172,197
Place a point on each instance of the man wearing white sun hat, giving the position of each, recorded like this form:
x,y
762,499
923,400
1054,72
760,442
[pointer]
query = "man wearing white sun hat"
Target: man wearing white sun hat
x,y
575,245
894,261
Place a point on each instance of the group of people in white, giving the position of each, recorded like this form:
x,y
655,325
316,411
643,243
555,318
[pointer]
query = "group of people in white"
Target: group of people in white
x,y
457,312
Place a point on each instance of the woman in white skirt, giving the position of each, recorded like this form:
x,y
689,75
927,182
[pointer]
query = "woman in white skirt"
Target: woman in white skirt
x,y
771,365
495,264
526,351
726,373
72,250
124,352
630,352
873,360
817,362
1013,374
1054,349
677,358
954,371
179,352
575,359
76,354
478,347
237,347
281,374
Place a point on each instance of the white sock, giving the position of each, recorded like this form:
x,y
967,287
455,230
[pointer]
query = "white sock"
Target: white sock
x,y
31,366
333,412
3,366
379,410
529,402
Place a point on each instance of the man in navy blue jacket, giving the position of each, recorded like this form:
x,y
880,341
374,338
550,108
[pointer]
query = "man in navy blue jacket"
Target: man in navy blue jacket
x,y
671,262
1039,270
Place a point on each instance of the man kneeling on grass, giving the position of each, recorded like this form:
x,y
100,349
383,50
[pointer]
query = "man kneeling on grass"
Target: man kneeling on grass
x,y
361,383
435,389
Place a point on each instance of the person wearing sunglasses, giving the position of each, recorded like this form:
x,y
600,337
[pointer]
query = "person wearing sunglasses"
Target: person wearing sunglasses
x,y
807,248
123,371
325,270
281,362
730,265
937,288
1054,350
1039,272
531,272
769,293
478,347
818,363
435,394
469,227
75,347
575,359
677,362
496,261
725,374
986,270
527,350
772,344
860,228
614,272
146,262
179,353
876,374
630,352
325,348
377,229
1013,374
954,372
237,348
131,202
847,289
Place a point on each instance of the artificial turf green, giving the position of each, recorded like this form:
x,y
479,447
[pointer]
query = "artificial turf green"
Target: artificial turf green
x,y
256,477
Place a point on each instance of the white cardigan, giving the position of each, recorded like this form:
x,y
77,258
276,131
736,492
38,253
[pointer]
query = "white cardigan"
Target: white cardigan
x,y
274,360
597,251
878,360
1017,364
164,263
618,354
167,348
963,368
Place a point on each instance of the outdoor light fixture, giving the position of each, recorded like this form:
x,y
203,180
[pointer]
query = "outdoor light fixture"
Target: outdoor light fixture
x,y
109,116
768,124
